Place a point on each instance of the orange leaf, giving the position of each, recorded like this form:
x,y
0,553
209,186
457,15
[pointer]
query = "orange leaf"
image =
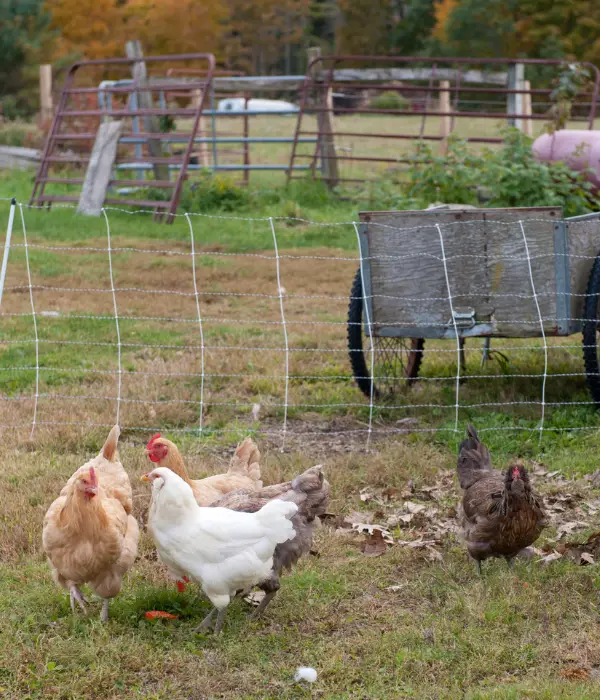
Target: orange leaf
x,y
157,614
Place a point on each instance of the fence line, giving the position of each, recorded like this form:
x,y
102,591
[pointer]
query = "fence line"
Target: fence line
x,y
204,378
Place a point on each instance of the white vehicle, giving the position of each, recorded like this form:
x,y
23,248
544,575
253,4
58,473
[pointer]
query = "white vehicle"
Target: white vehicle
x,y
238,104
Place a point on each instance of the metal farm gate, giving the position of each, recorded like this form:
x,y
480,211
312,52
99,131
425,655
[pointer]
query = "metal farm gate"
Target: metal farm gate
x,y
444,89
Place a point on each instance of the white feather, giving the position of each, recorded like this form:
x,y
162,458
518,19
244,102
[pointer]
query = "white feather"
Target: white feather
x,y
222,549
306,673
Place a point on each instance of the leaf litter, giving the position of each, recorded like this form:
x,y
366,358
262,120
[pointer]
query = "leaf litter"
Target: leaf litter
x,y
423,517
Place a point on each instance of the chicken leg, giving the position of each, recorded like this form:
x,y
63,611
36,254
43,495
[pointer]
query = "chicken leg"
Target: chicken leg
x,y
263,604
104,612
76,595
207,622
220,620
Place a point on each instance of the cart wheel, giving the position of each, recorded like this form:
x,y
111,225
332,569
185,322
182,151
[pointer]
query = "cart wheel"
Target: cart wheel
x,y
394,357
591,313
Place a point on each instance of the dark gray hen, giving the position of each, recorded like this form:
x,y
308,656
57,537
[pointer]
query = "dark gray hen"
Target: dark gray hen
x,y
501,513
310,492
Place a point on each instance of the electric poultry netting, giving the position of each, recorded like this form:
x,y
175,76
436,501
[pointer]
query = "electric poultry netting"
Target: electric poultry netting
x,y
203,334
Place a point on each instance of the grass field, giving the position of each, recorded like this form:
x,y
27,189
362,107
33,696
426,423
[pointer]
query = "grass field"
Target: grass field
x,y
414,622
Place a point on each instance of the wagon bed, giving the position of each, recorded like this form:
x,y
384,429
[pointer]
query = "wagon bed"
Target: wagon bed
x,y
504,273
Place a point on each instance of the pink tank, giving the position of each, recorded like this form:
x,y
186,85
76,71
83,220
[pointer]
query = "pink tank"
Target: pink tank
x,y
579,149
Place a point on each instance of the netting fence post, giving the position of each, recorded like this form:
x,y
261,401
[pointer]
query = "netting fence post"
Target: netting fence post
x,y
116,312
285,333
458,347
200,420
9,228
370,331
539,313
35,328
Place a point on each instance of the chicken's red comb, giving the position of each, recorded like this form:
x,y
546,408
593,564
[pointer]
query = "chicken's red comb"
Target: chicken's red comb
x,y
151,441
93,478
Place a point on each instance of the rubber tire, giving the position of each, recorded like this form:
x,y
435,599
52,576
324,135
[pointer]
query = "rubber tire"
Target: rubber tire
x,y
590,336
355,343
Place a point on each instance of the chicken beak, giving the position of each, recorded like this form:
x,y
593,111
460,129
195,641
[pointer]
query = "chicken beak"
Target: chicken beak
x,y
145,477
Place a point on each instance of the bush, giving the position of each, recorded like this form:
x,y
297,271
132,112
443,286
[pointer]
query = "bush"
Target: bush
x,y
389,100
212,192
17,133
509,176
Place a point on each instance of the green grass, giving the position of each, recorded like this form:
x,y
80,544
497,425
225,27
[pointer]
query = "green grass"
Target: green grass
x,y
399,625
405,624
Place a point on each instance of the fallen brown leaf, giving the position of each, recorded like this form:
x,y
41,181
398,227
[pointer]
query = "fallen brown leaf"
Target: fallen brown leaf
x,y
374,545
575,674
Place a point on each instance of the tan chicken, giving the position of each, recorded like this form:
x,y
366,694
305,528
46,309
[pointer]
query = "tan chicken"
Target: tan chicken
x,y
89,534
501,513
243,472
310,492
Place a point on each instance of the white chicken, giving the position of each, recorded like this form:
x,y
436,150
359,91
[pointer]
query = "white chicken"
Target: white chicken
x,y
224,551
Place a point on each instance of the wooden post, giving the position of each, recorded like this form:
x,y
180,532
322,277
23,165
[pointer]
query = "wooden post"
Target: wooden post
x,y
527,109
99,170
133,49
514,101
202,150
46,107
326,142
444,106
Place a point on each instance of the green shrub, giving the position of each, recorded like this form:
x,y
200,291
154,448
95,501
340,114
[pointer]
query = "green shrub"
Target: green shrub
x,y
210,192
18,133
509,176
389,100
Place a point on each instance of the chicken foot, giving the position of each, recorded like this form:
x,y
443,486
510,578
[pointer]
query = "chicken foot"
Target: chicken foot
x,y
76,595
207,622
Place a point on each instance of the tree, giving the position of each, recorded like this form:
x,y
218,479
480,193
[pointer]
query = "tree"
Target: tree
x,y
570,29
260,34
89,28
411,36
442,11
484,28
175,26
365,27
24,35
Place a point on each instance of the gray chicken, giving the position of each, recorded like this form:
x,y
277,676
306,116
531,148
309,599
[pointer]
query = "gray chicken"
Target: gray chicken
x,y
501,513
310,492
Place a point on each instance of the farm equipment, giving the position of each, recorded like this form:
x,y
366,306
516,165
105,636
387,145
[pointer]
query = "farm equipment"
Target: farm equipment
x,y
477,273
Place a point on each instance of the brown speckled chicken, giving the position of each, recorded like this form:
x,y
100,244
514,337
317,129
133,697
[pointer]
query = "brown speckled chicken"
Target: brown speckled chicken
x,y
501,514
310,492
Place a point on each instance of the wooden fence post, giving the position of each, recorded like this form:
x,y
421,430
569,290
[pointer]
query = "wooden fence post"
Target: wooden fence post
x,y
46,107
99,170
133,49
514,101
527,109
444,106
202,147
326,142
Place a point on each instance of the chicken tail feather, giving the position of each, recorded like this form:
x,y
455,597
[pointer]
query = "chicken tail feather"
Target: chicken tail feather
x,y
246,461
109,450
473,459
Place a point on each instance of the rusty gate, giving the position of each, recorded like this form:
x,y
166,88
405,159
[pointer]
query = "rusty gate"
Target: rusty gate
x,y
121,88
431,88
